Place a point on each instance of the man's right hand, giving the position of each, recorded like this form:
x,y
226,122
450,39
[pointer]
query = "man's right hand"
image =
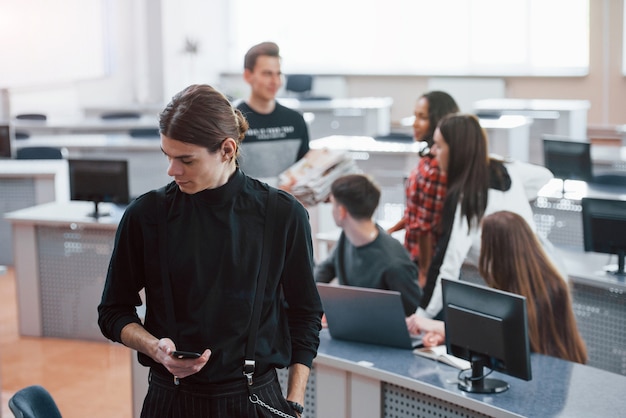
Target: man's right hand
x,y
179,367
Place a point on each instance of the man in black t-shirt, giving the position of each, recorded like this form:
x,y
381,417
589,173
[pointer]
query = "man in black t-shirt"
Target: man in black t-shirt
x,y
278,136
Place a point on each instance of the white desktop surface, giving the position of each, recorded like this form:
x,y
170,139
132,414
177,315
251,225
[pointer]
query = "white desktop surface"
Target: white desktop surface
x,y
531,104
86,140
363,144
355,103
147,166
577,189
84,125
74,213
55,170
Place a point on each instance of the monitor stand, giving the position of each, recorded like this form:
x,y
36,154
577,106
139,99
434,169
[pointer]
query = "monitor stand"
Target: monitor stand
x,y
617,270
96,212
478,382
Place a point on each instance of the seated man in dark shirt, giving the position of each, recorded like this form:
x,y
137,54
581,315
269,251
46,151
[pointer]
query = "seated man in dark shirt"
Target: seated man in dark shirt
x,y
365,254
278,136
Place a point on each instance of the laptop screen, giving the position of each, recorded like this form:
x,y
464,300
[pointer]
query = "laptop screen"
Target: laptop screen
x,y
365,315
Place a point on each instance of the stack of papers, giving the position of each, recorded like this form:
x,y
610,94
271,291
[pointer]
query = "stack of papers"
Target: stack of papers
x,y
310,178
439,353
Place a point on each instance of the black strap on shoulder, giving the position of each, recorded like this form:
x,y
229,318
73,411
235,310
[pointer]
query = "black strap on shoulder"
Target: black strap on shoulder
x,y
270,216
165,275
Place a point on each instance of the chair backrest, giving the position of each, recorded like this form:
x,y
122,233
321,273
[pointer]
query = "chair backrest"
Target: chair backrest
x,y
151,133
31,116
21,135
34,402
120,115
299,83
39,153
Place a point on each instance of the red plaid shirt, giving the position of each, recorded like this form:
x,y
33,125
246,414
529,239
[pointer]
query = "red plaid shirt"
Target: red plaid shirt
x,y
425,193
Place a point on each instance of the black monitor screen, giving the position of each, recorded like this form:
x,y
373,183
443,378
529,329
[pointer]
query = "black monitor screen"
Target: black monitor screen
x,y
604,228
568,159
489,328
99,181
5,141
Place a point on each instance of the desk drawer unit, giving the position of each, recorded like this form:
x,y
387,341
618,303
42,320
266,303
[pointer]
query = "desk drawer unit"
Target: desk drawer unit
x,y
72,269
600,314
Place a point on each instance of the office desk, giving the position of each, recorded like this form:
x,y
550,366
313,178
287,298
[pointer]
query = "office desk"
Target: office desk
x,y
608,158
88,125
368,381
559,117
559,217
61,260
357,116
147,166
389,163
508,135
24,184
599,301
146,109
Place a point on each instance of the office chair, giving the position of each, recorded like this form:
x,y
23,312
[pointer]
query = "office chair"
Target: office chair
x,y
302,84
34,402
39,153
146,133
610,179
120,115
21,135
31,116
396,137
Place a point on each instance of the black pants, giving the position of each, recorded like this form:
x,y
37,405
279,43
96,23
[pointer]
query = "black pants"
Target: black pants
x,y
231,400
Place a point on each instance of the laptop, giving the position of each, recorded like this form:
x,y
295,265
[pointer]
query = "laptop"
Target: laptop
x,y
365,315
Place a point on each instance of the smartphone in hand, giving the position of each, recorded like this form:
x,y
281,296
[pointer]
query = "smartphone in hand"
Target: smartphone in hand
x,y
185,354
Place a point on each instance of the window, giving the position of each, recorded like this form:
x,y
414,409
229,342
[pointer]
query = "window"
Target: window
x,y
52,42
417,37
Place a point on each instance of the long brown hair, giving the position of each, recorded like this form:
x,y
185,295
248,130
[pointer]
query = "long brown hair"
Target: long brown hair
x,y
468,166
512,259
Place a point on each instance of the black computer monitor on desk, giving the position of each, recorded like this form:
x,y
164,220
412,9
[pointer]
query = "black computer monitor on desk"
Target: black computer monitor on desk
x,y
571,160
489,328
604,230
99,181
567,159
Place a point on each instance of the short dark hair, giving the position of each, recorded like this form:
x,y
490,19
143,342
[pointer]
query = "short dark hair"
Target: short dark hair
x,y
264,48
440,104
358,194
201,115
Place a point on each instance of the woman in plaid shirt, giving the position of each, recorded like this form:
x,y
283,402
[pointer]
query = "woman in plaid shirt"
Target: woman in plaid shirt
x,y
425,187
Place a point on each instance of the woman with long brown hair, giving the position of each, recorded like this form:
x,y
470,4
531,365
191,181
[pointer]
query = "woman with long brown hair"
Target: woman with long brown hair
x,y
478,184
513,260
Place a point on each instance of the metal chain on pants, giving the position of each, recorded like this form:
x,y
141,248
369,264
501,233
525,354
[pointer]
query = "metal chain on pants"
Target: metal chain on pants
x,y
255,399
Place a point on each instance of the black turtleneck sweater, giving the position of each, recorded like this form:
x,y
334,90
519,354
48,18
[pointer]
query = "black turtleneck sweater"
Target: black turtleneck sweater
x,y
214,242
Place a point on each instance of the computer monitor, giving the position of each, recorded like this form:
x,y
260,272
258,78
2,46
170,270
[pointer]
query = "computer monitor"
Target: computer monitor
x,y
604,229
99,181
567,159
489,328
6,141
